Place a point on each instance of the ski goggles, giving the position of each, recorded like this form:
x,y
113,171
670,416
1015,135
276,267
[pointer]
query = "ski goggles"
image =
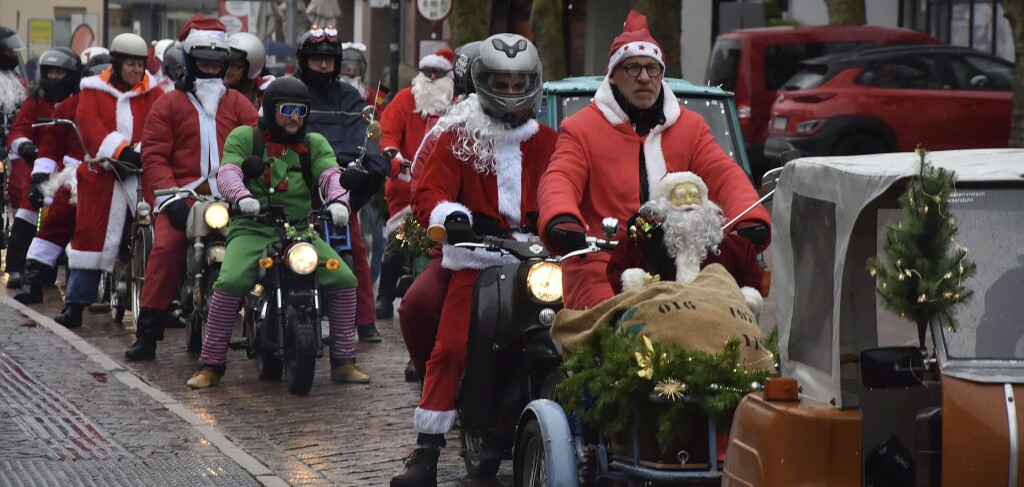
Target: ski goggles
x,y
319,34
289,109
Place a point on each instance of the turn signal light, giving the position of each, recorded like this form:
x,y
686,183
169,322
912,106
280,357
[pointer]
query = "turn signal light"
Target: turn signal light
x,y
766,282
781,389
266,262
436,233
332,264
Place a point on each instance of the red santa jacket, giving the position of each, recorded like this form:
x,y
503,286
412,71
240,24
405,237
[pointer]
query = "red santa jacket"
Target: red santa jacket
x,y
34,108
593,175
58,144
183,143
401,130
110,119
507,195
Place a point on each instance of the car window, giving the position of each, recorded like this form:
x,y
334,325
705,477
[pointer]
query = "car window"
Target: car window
x,y
723,63
809,77
982,74
782,61
907,73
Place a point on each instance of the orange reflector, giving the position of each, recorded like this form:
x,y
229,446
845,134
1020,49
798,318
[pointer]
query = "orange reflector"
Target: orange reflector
x,y
766,282
436,233
266,262
332,264
781,389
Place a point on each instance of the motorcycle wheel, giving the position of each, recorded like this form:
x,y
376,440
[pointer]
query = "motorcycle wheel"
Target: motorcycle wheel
x,y
108,293
301,363
195,330
530,463
481,459
140,259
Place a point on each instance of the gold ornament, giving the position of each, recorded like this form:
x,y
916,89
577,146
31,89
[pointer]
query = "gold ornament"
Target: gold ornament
x,y
671,389
645,361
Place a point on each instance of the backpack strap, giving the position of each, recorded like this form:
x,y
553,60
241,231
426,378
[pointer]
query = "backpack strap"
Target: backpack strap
x,y
257,142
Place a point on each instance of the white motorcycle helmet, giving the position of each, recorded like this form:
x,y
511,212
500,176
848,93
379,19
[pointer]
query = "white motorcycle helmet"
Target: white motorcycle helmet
x,y
208,48
251,50
91,52
129,45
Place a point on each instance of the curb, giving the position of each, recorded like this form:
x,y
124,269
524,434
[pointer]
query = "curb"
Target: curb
x,y
250,464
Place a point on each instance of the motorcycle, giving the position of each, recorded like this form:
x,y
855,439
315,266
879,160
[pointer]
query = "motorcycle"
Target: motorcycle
x,y
281,317
206,228
511,357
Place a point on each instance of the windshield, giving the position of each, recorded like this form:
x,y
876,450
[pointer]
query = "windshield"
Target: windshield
x,y
723,64
714,111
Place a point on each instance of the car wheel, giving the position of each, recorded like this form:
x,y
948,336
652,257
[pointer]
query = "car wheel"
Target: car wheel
x,y
857,144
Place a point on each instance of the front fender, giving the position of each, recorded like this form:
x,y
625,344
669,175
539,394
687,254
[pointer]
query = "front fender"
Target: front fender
x,y
559,448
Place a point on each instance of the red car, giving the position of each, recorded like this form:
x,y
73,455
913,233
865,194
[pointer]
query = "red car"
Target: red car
x,y
892,99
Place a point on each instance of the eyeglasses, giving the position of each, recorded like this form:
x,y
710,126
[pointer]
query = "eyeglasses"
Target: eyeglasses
x,y
289,109
319,34
653,70
434,72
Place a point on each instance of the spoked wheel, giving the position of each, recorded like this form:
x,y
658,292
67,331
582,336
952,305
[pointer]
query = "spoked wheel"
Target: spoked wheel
x,y
112,290
195,331
301,362
531,466
141,246
482,458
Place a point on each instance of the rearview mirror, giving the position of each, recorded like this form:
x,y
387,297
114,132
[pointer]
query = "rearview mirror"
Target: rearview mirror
x,y
253,167
790,155
892,367
770,179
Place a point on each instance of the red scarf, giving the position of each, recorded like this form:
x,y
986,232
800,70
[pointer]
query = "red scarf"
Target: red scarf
x,y
277,149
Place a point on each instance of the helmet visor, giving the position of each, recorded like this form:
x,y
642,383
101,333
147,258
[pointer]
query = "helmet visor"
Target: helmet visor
x,y
12,42
507,83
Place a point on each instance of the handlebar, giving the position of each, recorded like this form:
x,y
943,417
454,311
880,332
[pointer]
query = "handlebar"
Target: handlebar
x,y
125,166
594,244
182,193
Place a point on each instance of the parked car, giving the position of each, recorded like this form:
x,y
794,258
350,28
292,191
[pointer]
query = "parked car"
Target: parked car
x,y
892,99
754,64
565,97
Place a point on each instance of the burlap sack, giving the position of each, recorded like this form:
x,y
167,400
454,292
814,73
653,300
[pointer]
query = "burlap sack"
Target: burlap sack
x,y
703,316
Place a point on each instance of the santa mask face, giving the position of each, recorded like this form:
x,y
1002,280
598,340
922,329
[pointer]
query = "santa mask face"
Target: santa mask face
x,y
686,196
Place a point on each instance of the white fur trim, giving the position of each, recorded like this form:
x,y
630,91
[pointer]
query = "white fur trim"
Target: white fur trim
x,y
124,116
435,61
66,177
216,34
753,298
673,179
459,258
113,140
509,158
119,206
27,214
265,82
440,212
16,144
687,268
209,150
44,251
44,165
633,49
71,162
633,278
434,422
392,224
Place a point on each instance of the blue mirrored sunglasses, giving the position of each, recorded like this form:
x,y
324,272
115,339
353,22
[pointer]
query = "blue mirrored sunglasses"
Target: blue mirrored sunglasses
x,y
289,109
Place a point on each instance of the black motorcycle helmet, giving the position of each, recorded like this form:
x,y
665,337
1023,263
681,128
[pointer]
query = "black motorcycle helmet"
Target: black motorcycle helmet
x,y
285,88
10,44
464,57
56,90
174,57
96,65
320,42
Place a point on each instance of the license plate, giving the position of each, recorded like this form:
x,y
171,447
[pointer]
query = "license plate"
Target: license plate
x,y
779,123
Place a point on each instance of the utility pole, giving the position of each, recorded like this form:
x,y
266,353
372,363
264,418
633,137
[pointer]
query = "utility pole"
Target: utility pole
x,y
289,22
396,41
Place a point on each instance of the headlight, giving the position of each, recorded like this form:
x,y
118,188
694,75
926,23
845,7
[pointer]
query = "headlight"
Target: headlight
x,y
544,280
302,258
214,254
142,209
216,216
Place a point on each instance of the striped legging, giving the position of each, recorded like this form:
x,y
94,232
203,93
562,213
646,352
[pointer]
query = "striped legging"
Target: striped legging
x,y
224,308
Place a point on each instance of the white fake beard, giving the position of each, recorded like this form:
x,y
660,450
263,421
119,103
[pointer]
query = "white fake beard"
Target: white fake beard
x,y
355,83
691,233
12,93
431,96
209,92
475,134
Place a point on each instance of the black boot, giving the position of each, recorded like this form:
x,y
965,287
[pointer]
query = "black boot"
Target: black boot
x,y
389,273
420,469
22,233
71,315
368,333
149,328
32,280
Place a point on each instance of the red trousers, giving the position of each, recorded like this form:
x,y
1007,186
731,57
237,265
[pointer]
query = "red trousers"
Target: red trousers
x,y
19,178
55,231
366,312
419,314
448,359
166,261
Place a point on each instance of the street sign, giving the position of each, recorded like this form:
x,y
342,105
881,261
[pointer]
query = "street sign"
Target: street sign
x,y
434,10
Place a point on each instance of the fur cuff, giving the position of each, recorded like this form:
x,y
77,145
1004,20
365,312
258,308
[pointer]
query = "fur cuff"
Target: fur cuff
x,y
445,208
44,251
753,298
111,144
17,143
44,165
434,422
633,279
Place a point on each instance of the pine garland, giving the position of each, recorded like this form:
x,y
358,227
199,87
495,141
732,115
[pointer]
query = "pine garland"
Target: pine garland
x,y
925,270
624,373
412,236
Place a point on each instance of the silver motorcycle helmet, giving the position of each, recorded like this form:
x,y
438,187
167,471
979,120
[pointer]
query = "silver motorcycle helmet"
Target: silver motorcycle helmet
x,y
55,90
174,58
251,50
355,57
507,76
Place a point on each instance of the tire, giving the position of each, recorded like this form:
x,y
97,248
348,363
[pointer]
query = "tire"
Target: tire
x,y
300,364
141,247
195,330
482,459
549,382
529,467
858,144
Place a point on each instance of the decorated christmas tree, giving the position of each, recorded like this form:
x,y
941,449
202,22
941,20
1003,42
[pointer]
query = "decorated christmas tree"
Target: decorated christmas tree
x,y
925,271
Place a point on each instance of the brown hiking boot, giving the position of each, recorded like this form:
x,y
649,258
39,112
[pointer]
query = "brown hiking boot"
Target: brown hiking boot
x,y
420,469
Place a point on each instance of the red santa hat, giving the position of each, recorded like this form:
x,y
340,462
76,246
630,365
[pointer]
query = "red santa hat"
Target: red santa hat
x,y
204,27
664,187
635,40
443,59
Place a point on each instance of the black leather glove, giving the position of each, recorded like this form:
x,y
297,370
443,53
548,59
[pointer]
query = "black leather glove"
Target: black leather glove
x,y
35,192
565,233
458,228
129,156
28,151
758,234
177,214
